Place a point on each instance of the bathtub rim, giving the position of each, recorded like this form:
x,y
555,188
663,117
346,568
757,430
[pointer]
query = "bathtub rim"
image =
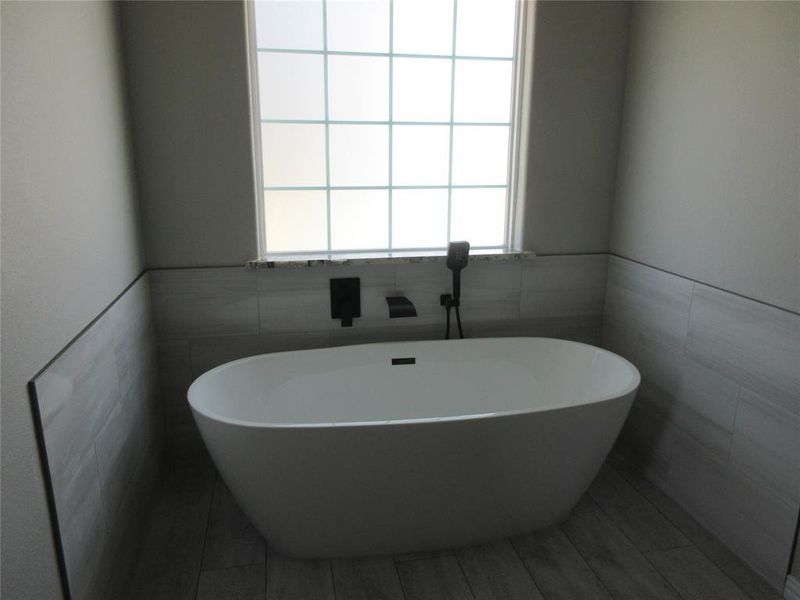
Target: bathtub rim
x,y
632,387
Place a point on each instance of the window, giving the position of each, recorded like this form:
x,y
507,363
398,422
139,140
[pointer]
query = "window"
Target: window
x,y
385,125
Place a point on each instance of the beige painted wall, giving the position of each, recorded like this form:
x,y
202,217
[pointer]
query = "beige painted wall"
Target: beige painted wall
x,y
69,235
580,52
188,86
709,170
189,99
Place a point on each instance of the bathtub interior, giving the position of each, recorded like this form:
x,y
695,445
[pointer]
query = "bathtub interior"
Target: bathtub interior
x,y
450,379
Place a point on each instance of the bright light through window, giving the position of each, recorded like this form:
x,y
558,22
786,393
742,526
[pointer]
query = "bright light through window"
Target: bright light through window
x,y
385,124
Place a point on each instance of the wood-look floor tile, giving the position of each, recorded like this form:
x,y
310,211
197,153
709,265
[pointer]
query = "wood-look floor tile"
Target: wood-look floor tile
x,y
366,579
292,579
235,583
495,572
559,571
438,578
618,563
231,540
647,528
694,575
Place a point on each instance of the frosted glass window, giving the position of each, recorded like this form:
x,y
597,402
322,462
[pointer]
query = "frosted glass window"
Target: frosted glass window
x,y
359,219
485,28
480,155
421,89
358,88
384,124
482,91
358,25
423,26
359,155
419,218
296,221
479,215
293,154
420,154
291,86
289,24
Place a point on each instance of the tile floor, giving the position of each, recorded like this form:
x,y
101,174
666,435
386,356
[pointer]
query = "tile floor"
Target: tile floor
x,y
624,540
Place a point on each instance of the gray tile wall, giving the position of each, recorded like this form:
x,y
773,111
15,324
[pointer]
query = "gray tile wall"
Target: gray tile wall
x,y
102,431
716,422
205,317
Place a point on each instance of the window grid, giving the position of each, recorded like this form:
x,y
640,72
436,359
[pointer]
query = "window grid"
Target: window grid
x,y
451,123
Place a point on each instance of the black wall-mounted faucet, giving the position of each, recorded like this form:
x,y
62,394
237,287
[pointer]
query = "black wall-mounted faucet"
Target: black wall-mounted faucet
x,y
400,306
346,299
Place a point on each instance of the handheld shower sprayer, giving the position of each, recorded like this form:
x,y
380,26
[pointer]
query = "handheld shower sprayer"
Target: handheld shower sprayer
x,y
457,259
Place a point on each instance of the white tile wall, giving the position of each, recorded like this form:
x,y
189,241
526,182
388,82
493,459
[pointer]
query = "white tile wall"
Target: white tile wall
x,y
206,317
101,427
716,422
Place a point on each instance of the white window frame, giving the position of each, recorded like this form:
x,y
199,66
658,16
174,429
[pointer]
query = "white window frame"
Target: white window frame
x,y
519,126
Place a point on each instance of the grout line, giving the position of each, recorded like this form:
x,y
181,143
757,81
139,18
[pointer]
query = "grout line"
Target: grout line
x,y
709,285
464,575
635,547
333,578
399,578
212,495
686,534
585,561
525,566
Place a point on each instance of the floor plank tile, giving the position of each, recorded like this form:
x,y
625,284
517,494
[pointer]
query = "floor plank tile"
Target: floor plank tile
x,y
495,572
761,591
292,579
437,578
647,528
619,565
366,579
231,540
235,583
694,575
557,568
169,566
720,555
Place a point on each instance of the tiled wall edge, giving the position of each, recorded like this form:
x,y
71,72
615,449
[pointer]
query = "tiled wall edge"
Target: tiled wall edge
x,y
705,283
89,325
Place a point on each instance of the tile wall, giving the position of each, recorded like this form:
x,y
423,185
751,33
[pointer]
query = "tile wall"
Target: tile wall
x,y
716,422
205,317
99,408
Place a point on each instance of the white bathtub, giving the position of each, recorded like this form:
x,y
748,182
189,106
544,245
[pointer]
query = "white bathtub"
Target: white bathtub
x,y
338,452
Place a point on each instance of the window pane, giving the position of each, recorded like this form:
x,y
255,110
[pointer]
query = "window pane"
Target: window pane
x,y
482,91
296,221
359,154
480,155
293,155
478,216
291,86
421,89
290,24
485,27
358,25
358,88
420,154
419,218
359,219
423,27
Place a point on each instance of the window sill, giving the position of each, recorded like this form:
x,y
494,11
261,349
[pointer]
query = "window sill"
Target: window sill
x,y
299,261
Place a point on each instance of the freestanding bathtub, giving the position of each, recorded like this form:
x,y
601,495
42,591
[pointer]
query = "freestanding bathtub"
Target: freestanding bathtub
x,y
399,447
